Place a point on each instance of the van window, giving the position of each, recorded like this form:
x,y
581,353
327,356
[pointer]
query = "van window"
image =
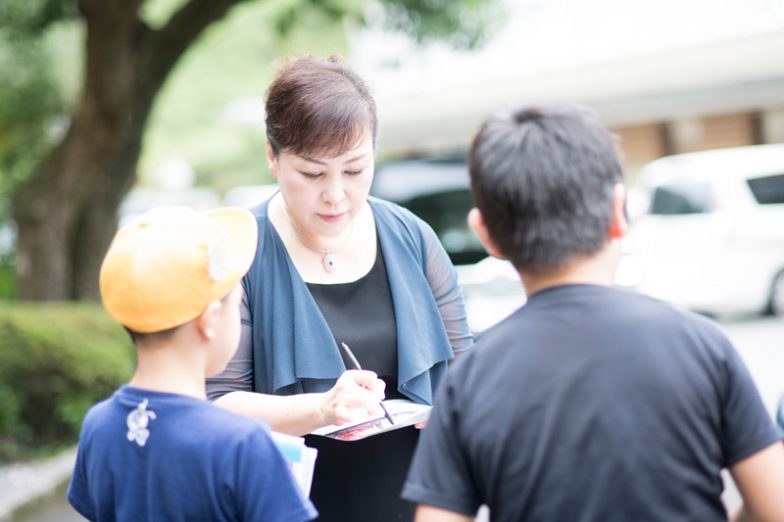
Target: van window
x,y
445,212
767,190
682,198
438,191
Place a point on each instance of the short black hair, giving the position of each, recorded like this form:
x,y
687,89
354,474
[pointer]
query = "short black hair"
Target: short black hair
x,y
543,179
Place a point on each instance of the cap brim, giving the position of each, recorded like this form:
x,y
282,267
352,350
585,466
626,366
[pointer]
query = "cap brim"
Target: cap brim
x,y
242,230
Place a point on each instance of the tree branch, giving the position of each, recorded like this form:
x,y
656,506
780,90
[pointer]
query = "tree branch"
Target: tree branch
x,y
107,10
162,48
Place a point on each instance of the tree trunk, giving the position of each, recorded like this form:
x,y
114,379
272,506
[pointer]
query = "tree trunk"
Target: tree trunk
x,y
95,226
66,212
51,211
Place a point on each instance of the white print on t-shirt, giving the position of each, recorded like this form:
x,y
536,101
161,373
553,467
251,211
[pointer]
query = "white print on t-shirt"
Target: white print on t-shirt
x,y
137,423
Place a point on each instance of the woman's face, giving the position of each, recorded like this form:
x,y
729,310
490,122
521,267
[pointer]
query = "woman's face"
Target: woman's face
x,y
324,194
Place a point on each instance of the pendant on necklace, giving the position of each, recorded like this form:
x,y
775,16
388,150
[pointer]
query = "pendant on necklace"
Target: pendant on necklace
x,y
329,263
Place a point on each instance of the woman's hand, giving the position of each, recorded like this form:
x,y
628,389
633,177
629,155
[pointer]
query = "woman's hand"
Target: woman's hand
x,y
355,396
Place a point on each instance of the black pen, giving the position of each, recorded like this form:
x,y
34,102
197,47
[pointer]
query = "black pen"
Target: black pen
x,y
353,363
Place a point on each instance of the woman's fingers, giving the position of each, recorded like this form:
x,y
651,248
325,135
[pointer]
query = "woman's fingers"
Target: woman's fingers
x,y
364,379
378,386
355,397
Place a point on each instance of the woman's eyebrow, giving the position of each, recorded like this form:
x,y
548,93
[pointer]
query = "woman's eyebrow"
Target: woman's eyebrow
x,y
350,160
311,160
355,158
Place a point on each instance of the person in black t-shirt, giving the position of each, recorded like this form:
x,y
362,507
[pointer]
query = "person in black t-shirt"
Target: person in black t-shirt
x,y
589,402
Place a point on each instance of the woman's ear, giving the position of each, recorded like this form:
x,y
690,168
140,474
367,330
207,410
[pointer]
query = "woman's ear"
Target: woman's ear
x,y
207,321
476,222
618,224
272,161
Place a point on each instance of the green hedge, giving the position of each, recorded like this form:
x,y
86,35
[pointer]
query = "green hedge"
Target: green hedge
x,y
56,360
7,277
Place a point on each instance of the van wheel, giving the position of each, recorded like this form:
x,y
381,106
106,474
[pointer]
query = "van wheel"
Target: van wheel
x,y
776,303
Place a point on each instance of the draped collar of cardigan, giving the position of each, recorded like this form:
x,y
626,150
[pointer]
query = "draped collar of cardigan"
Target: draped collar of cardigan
x,y
294,350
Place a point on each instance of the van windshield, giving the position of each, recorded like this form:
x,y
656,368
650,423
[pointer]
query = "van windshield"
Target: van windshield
x,y
767,190
682,198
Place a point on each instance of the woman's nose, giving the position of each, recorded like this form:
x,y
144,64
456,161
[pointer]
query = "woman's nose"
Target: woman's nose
x,y
333,193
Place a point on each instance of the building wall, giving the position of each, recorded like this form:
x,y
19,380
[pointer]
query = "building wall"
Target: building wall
x,y
772,123
641,144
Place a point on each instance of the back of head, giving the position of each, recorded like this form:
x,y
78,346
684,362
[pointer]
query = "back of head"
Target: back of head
x,y
318,106
165,266
543,179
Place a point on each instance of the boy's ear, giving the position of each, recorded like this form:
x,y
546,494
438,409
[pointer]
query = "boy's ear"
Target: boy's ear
x,y
206,321
476,222
272,161
618,224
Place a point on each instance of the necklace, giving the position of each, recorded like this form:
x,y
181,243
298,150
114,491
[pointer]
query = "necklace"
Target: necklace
x,y
327,259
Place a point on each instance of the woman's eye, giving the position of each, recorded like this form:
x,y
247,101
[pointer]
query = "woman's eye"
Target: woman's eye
x,y
353,172
311,174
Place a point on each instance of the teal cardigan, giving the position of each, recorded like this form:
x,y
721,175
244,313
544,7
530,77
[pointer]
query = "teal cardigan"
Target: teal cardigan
x,y
293,349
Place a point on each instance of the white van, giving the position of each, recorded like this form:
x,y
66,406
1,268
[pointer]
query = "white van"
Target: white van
x,y
712,236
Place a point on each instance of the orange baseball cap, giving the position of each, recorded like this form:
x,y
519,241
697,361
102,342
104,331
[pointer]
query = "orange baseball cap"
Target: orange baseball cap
x,y
165,266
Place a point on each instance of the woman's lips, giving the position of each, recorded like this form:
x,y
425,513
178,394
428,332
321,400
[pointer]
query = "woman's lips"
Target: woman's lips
x,y
331,218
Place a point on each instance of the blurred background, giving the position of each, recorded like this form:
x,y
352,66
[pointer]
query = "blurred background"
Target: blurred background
x,y
110,107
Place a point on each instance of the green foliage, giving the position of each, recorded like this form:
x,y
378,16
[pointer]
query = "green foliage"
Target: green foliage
x,y
31,16
41,46
30,101
232,60
7,275
56,360
33,106
156,13
41,64
460,23
296,13
33,100
230,63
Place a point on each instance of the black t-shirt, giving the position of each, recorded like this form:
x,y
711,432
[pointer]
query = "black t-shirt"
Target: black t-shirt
x,y
591,403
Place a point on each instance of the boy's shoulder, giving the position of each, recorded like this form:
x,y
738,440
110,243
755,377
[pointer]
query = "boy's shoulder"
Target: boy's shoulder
x,y
131,408
582,309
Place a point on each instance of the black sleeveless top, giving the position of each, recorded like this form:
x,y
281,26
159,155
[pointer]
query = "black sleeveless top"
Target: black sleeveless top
x,y
362,480
360,314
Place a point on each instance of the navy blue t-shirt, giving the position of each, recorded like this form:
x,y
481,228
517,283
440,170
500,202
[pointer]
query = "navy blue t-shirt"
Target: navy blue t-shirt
x,y
145,455
591,403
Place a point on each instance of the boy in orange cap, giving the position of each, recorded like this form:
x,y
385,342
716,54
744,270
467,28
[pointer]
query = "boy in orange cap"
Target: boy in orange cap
x,y
156,449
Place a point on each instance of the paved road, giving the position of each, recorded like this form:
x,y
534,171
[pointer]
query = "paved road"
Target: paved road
x,y
53,508
760,341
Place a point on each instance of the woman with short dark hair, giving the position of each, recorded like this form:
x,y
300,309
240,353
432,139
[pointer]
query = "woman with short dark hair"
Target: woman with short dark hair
x,y
337,266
